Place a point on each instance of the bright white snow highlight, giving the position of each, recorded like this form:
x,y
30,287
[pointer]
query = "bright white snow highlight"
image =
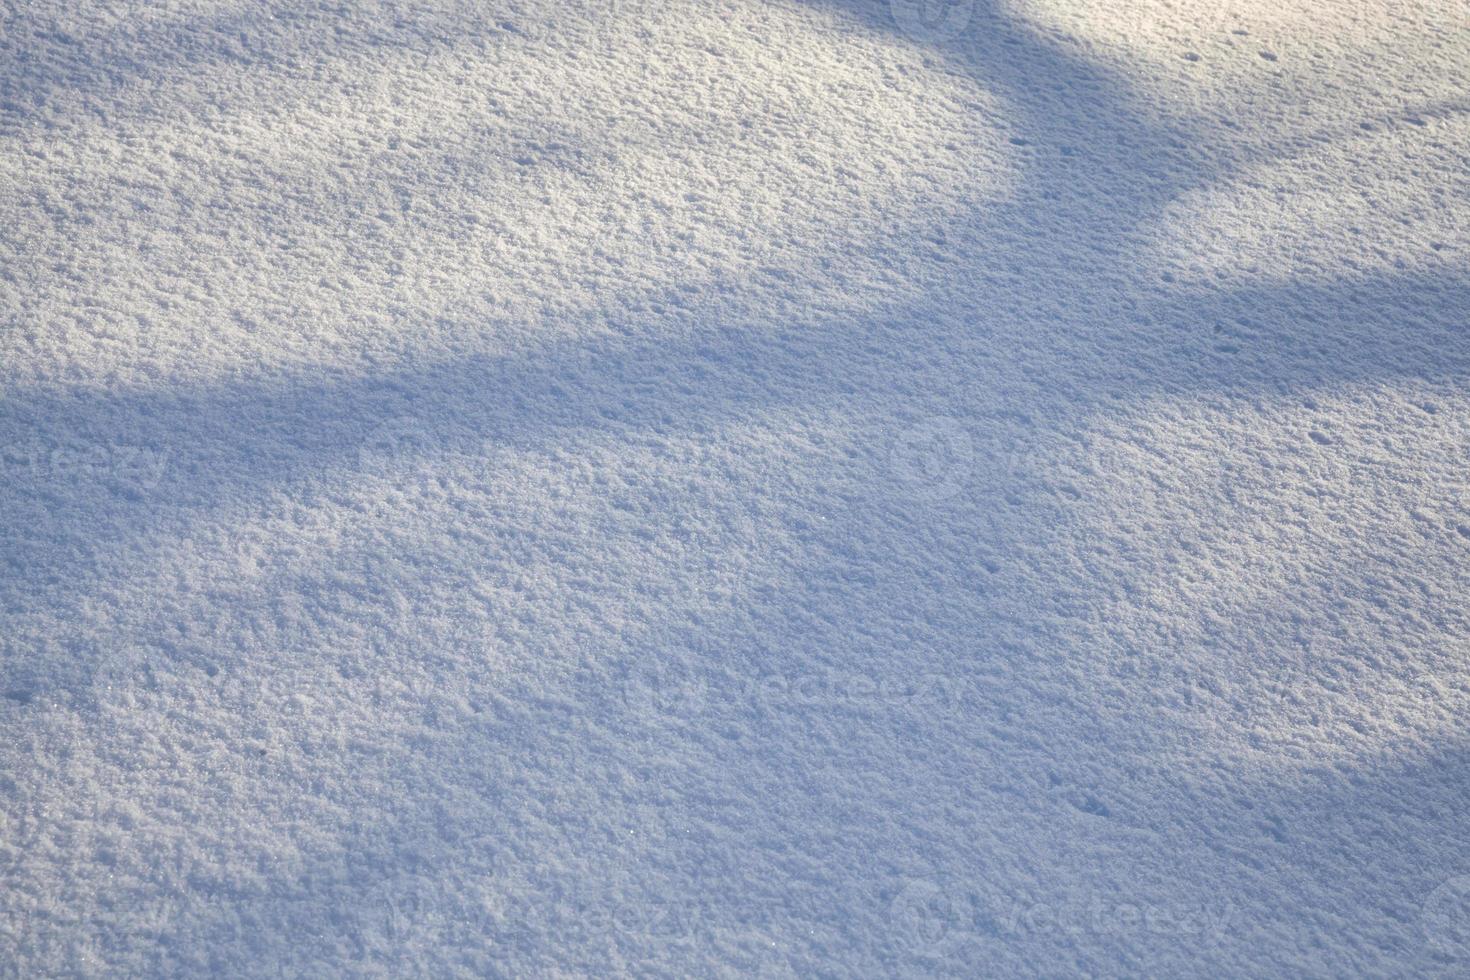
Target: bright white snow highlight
x,y
789,487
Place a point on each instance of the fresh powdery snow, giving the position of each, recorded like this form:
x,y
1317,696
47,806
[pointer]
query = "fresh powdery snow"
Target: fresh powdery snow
x,y
723,487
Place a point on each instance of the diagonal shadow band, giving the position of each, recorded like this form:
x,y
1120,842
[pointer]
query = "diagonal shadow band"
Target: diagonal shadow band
x,y
230,441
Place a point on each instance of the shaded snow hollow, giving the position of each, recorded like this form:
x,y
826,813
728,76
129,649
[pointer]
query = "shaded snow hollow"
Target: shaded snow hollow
x,y
794,487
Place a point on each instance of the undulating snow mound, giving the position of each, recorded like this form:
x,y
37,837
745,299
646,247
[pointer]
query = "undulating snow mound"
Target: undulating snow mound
x,y
795,487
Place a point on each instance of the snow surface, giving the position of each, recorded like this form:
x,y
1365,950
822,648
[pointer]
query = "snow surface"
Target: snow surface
x,y
790,487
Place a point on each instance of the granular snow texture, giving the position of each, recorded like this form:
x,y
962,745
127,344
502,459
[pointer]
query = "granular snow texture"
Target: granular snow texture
x,y
722,487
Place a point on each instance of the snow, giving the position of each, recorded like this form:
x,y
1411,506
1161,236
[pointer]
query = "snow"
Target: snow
x,y
753,486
